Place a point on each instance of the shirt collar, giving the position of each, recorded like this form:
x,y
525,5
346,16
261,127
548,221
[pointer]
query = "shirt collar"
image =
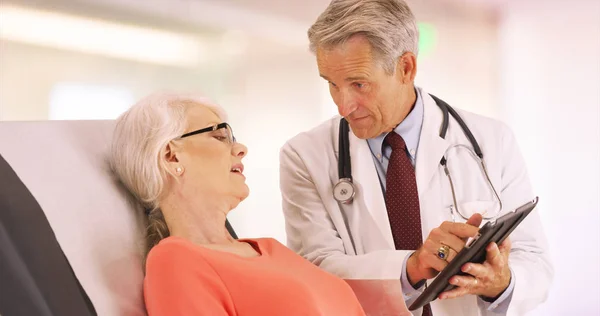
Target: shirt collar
x,y
409,129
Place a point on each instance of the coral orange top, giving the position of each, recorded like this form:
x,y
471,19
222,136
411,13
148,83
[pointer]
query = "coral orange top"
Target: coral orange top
x,y
185,279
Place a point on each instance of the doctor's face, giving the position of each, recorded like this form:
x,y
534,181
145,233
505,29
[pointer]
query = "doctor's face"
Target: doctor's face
x,y
372,100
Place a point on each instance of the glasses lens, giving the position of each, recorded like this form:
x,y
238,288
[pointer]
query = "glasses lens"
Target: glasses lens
x,y
230,136
225,134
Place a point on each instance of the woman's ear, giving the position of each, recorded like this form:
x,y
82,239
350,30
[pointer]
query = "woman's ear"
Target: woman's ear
x,y
172,160
170,153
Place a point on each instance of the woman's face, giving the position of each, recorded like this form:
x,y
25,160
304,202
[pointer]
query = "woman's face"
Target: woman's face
x,y
212,163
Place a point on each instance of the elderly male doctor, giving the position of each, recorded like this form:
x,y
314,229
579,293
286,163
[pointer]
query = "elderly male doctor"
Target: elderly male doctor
x,y
404,217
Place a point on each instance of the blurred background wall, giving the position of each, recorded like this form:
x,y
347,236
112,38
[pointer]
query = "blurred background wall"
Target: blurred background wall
x,y
535,64
550,95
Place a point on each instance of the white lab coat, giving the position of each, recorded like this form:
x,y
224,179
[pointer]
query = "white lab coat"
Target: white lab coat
x,y
355,241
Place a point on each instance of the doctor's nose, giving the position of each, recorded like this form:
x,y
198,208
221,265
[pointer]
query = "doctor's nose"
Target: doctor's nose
x,y
346,106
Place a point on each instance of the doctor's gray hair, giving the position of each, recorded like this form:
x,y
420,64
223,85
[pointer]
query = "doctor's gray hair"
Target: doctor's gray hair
x,y
138,150
388,25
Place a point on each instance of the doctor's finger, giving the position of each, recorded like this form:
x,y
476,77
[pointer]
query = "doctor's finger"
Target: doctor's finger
x,y
450,240
454,293
505,246
432,261
429,256
477,270
460,230
451,255
475,219
464,281
494,257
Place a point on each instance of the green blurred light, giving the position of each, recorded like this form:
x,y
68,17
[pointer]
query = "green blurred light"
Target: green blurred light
x,y
427,39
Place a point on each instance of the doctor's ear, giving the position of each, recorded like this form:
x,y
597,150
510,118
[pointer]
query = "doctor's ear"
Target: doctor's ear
x,y
406,68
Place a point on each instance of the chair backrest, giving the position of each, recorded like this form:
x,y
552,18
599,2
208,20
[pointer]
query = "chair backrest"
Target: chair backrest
x,y
96,223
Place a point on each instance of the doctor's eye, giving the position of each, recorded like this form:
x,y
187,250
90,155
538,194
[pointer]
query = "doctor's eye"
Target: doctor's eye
x,y
331,83
359,85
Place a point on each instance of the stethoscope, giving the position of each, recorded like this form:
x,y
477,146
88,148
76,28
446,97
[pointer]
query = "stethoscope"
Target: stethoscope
x,y
345,190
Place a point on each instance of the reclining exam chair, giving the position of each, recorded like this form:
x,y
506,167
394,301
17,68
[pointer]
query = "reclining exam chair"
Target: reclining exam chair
x,y
71,237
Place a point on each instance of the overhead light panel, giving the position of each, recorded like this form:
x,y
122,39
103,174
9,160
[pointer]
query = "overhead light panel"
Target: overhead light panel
x,y
92,36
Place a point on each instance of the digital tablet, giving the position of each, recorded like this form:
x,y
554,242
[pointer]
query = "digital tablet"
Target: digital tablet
x,y
493,231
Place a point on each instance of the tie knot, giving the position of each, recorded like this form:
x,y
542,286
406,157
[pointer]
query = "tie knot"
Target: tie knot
x,y
395,141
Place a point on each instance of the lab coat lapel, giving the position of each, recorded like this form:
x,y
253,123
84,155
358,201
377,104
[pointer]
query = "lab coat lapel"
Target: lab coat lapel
x,y
431,146
368,186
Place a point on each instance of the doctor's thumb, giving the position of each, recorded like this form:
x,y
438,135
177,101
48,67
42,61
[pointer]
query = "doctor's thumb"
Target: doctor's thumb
x,y
475,220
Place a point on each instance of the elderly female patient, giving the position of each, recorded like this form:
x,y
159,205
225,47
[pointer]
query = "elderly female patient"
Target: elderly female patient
x,y
179,158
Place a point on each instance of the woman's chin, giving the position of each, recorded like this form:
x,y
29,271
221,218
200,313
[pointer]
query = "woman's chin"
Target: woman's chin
x,y
242,193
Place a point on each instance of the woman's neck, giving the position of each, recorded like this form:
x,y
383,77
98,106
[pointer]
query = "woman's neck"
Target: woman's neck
x,y
199,222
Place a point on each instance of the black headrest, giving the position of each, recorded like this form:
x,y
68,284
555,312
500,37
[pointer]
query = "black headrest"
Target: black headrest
x,y
36,277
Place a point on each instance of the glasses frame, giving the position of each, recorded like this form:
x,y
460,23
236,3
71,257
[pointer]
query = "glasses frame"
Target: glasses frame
x,y
211,129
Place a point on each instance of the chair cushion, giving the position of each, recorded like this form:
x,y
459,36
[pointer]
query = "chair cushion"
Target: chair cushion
x,y
96,222
33,264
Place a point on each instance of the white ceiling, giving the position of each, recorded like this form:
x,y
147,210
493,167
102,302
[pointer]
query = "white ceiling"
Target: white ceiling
x,y
281,21
308,10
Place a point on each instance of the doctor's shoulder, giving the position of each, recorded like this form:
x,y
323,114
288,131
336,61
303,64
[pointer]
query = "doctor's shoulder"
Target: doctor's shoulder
x,y
485,127
315,139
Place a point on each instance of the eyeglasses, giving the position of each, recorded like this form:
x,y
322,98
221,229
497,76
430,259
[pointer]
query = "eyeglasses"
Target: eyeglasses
x,y
220,131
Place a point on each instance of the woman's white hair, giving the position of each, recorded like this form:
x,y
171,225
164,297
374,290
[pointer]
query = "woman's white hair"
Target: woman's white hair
x,y
388,25
139,146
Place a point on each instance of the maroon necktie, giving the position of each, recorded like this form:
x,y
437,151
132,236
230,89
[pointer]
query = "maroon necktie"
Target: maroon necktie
x,y
402,199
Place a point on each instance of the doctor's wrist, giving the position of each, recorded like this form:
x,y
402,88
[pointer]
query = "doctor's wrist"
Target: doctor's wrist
x,y
415,278
492,299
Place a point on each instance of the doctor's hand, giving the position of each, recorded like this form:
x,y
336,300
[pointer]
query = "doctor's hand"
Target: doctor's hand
x,y
425,264
488,280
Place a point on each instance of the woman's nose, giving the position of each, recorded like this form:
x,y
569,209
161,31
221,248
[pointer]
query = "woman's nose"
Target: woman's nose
x,y
239,150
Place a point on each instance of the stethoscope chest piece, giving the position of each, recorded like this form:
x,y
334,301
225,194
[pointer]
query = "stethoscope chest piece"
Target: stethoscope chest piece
x,y
344,191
